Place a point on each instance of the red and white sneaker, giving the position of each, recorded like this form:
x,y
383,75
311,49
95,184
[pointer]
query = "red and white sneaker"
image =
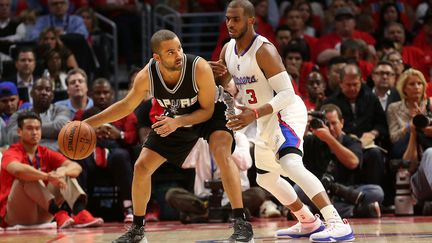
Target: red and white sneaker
x,y
304,229
63,220
335,231
85,219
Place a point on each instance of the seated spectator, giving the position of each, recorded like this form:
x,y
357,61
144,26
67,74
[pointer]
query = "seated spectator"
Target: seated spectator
x,y
353,49
395,58
315,86
8,29
28,20
78,101
98,40
335,66
9,101
412,89
55,67
364,118
296,57
59,19
25,64
53,117
383,77
329,45
410,54
420,164
48,40
192,206
336,158
390,13
312,22
36,181
296,23
283,37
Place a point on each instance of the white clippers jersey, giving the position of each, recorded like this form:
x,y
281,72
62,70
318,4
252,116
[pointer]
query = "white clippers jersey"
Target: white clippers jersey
x,y
256,91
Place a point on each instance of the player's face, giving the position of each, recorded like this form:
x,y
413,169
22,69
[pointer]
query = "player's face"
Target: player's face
x,y
30,133
171,55
237,22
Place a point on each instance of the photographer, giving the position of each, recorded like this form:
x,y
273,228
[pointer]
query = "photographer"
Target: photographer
x,y
335,157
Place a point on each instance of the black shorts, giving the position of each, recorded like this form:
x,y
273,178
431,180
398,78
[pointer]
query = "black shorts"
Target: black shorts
x,y
177,146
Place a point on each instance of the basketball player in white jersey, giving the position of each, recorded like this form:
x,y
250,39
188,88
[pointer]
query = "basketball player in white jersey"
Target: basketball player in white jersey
x,y
268,97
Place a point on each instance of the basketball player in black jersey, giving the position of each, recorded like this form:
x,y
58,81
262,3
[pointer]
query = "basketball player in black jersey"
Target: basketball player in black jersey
x,y
184,85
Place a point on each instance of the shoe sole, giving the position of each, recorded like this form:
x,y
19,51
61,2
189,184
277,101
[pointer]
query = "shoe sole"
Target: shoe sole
x,y
288,236
67,224
346,238
94,223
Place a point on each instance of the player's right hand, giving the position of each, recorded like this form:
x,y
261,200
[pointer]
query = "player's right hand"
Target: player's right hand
x,y
219,68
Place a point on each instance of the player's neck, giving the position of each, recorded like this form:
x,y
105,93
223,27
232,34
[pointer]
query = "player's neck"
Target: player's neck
x,y
30,148
243,43
170,76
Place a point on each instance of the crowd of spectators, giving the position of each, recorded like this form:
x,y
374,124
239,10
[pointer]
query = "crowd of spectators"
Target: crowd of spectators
x,y
365,66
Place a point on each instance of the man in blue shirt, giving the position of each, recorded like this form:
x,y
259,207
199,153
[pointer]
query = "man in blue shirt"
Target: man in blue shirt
x,y
60,19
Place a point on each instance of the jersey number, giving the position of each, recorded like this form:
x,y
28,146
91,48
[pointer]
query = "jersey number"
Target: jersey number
x,y
252,99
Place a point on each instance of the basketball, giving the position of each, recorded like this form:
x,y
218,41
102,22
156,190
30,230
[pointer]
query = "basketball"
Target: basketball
x,y
77,140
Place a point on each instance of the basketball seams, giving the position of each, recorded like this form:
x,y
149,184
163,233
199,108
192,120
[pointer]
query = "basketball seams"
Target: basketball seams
x,y
91,138
77,136
65,139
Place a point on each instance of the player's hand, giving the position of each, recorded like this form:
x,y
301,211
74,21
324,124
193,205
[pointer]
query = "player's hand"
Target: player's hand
x,y
219,68
165,125
240,121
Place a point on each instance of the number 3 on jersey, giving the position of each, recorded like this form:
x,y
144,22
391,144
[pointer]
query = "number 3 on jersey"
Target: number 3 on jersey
x,y
252,97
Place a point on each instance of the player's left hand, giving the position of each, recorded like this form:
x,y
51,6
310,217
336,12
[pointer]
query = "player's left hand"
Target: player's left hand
x,y
165,125
240,121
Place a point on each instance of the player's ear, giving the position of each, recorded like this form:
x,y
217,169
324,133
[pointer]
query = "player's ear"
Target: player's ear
x,y
156,57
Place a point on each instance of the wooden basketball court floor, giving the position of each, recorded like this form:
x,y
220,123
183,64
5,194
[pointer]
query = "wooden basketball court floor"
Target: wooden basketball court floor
x,y
386,229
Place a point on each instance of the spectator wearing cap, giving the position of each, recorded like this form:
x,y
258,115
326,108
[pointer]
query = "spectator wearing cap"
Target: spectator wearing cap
x,y
9,101
59,18
54,117
328,46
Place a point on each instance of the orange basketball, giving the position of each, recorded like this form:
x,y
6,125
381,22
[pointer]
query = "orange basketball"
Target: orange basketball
x,y
77,140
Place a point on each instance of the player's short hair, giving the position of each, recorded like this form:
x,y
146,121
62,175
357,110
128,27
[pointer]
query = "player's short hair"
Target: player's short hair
x,y
27,115
247,6
159,36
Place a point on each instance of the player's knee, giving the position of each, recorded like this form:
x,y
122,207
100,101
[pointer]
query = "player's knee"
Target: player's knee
x,y
140,168
292,164
220,141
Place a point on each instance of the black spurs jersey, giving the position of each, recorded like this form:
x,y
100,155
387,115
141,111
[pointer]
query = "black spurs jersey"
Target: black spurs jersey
x,y
183,98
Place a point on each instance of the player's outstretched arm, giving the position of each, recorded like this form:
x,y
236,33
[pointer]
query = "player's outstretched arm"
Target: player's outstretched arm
x,y
125,106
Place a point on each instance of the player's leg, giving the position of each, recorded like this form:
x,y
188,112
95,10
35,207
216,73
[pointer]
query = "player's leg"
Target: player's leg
x,y
337,230
147,162
269,178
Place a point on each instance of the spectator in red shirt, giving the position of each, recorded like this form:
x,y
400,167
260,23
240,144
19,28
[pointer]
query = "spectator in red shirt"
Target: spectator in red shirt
x,y
329,45
316,86
283,37
296,23
35,181
353,49
410,54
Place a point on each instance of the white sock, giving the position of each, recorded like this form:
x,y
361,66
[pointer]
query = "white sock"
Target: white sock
x,y
329,212
127,203
304,215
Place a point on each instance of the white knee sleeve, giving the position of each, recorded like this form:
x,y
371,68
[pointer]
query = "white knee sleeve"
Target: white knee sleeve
x,y
278,187
293,166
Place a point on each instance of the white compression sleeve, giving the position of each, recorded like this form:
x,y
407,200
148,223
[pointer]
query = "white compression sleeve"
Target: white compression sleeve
x,y
292,164
278,187
281,84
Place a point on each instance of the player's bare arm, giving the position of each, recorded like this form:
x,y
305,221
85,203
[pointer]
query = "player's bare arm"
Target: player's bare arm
x,y
220,71
125,106
206,96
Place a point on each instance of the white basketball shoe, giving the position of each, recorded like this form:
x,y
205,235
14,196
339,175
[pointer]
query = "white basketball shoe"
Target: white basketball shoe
x,y
335,231
302,229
